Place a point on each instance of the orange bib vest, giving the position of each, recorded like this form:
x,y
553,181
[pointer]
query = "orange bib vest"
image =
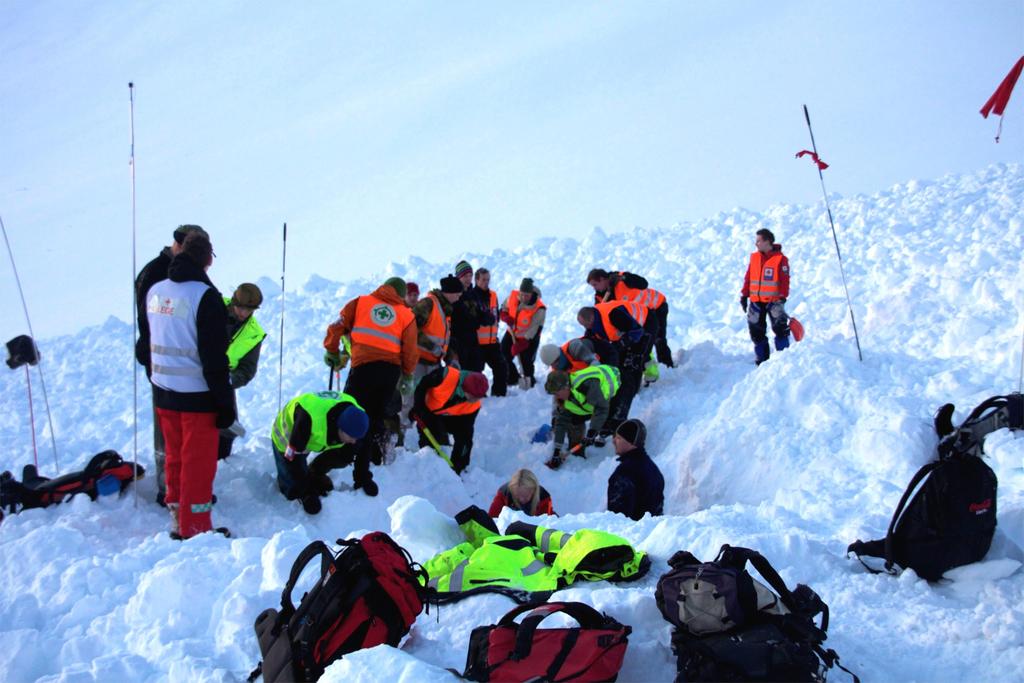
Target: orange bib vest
x,y
441,400
574,364
764,276
489,335
651,298
437,331
638,311
521,316
379,324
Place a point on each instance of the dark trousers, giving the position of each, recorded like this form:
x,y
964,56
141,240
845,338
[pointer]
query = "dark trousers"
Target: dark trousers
x,y
296,478
457,427
495,360
470,357
632,360
372,385
526,357
660,343
758,315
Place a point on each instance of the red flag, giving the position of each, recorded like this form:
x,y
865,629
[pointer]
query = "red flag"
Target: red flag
x,y
821,164
997,103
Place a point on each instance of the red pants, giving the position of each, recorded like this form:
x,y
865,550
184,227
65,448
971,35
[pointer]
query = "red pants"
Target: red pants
x,y
190,441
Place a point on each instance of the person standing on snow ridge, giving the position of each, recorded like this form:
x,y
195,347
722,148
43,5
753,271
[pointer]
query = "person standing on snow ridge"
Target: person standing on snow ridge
x,y
151,273
303,426
447,402
764,294
246,337
485,301
582,395
382,331
523,312
522,492
186,334
636,486
623,286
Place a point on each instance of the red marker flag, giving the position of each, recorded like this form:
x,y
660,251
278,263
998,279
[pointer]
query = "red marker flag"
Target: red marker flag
x,y
997,103
821,164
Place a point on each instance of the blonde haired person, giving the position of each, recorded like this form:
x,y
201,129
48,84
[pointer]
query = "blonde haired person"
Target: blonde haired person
x,y
522,492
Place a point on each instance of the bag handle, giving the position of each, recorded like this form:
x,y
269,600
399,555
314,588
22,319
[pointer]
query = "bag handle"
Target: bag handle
x,y
738,557
921,474
311,551
585,615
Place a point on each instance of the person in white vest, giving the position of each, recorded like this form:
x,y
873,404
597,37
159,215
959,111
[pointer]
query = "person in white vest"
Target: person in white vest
x,y
186,332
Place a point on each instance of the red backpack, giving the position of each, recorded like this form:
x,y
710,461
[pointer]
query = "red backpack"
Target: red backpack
x,y
508,651
367,595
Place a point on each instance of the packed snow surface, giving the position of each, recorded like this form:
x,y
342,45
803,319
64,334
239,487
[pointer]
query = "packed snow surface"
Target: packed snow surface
x,y
795,458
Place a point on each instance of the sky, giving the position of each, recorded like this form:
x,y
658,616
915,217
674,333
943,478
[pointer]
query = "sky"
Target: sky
x,y
386,130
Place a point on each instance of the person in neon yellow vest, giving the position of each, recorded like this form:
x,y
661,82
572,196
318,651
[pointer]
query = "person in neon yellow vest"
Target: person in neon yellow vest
x,y
245,337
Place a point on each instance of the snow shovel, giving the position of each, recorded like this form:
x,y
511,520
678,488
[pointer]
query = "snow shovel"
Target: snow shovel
x,y
433,442
797,328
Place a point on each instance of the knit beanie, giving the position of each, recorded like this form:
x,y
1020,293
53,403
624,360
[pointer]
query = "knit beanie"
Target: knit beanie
x,y
462,267
556,381
397,284
475,383
633,431
549,354
526,285
451,285
354,422
412,288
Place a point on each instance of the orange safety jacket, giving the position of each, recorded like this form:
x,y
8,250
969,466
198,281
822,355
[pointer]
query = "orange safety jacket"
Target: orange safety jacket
x,y
638,311
574,364
438,331
489,335
522,317
442,399
651,298
767,277
379,324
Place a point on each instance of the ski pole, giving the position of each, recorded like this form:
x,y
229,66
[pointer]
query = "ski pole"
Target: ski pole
x,y
135,322
280,352
430,437
330,379
835,239
28,321
32,417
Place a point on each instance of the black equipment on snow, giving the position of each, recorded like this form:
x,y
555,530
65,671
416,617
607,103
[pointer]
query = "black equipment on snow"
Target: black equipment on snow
x,y
730,627
947,516
21,351
105,471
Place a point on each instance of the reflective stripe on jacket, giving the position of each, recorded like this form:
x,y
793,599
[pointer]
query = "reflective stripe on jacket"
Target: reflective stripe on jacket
x,y
317,406
607,375
764,274
380,324
636,310
444,399
501,562
437,331
650,298
521,316
171,309
245,340
489,334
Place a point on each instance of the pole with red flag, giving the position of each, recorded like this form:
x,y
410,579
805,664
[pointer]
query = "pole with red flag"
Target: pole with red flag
x,y
821,166
1001,97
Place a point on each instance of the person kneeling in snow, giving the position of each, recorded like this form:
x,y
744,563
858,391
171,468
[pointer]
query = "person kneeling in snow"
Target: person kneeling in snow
x,y
328,423
636,486
522,492
447,401
578,396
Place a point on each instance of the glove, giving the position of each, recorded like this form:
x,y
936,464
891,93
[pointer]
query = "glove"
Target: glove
x,y
743,303
593,439
333,360
226,417
344,357
406,385
289,454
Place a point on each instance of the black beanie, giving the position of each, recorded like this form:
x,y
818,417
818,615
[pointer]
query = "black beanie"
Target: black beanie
x,y
633,431
451,285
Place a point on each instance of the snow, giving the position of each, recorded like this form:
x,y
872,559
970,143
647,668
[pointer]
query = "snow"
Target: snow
x,y
796,458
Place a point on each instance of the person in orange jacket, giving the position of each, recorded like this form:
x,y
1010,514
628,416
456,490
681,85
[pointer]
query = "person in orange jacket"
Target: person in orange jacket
x,y
764,294
382,330
624,286
447,402
523,312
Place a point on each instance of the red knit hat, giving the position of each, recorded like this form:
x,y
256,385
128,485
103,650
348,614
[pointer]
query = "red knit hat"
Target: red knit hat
x,y
475,383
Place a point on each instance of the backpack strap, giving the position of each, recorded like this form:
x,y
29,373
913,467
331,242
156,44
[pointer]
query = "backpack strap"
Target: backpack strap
x,y
918,478
585,615
738,557
991,414
311,551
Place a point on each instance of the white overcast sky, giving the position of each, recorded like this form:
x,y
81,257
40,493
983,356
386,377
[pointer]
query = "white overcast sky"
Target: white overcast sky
x,y
383,130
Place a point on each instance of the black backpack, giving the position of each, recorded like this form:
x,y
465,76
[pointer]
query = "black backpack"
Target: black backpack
x,y
947,516
105,472
731,627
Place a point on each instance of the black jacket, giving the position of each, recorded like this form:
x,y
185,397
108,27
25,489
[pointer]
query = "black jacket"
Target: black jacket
x,y
211,330
631,280
636,486
151,273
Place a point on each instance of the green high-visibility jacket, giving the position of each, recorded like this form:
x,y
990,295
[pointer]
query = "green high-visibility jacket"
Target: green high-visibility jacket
x,y
317,405
502,562
607,375
245,340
